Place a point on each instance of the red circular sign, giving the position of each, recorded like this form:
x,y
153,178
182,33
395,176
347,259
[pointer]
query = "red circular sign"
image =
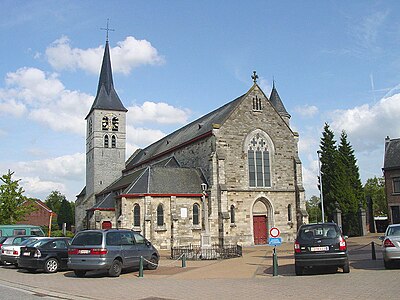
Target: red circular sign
x,y
274,232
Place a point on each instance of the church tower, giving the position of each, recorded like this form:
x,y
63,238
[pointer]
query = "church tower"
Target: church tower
x,y
105,136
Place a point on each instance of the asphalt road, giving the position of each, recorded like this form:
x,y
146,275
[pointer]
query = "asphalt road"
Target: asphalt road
x,y
249,277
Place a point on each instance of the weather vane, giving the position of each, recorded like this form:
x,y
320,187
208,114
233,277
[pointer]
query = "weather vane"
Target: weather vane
x,y
254,76
107,29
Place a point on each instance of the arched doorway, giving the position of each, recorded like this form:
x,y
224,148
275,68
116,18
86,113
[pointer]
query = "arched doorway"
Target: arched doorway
x,y
262,215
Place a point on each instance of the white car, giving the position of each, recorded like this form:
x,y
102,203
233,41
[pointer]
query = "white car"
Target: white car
x,y
391,245
11,247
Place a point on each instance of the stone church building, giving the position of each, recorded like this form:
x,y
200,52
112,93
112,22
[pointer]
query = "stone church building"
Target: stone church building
x,y
230,175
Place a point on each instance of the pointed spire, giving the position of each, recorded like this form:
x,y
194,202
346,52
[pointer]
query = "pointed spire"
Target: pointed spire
x,y
106,97
277,102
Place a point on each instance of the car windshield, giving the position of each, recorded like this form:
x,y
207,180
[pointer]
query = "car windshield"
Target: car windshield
x,y
319,231
395,230
88,238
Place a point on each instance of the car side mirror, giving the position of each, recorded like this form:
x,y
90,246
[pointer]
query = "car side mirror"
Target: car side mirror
x,y
346,237
148,244
381,238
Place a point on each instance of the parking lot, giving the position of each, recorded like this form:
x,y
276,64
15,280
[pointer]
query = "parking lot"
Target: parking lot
x,y
238,278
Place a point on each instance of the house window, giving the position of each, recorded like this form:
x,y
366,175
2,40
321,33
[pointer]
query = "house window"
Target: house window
x,y
232,214
396,185
259,162
106,141
136,215
160,215
113,142
196,210
289,213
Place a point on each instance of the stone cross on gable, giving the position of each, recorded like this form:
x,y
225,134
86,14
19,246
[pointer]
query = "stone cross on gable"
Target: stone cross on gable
x,y
107,29
254,76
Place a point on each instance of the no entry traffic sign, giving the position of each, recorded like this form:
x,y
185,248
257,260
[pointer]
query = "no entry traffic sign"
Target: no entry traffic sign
x,y
274,232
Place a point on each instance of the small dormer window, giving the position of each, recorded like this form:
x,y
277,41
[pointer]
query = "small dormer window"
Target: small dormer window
x,y
257,103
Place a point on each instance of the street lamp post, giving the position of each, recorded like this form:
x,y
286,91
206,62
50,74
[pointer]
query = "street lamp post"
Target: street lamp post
x,y
205,236
321,194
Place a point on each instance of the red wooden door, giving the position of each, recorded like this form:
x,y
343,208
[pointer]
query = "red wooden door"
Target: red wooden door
x,y
106,225
260,230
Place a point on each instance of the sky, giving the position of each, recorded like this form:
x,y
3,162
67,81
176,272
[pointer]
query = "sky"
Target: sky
x,y
335,62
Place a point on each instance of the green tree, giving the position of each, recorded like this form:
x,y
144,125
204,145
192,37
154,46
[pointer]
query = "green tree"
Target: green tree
x,y
375,188
13,204
330,171
313,207
65,214
54,200
350,191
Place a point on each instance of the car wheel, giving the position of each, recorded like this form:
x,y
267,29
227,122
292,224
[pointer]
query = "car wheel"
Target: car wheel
x,y
346,268
80,273
387,264
298,270
154,263
115,269
51,265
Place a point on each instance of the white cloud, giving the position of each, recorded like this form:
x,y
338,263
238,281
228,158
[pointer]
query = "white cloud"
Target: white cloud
x,y
40,177
161,113
366,125
44,99
127,55
142,137
306,110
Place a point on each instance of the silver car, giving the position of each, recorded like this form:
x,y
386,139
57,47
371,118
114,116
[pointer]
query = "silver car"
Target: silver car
x,y
391,245
111,250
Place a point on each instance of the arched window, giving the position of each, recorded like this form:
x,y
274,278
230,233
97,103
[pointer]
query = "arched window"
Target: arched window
x,y
196,219
258,155
104,123
106,141
232,214
113,142
136,215
160,215
115,124
289,213
90,126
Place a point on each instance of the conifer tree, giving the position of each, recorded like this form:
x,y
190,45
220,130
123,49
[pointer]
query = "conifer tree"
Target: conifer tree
x,y
351,187
329,171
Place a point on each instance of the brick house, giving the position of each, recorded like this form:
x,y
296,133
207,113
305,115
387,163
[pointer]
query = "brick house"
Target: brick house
x,y
244,153
40,214
391,172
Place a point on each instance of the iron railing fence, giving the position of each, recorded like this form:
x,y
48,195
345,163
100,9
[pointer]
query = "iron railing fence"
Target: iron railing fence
x,y
193,252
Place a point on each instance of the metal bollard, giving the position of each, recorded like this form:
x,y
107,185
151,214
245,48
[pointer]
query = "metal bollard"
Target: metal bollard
x,y
183,261
141,267
373,251
275,263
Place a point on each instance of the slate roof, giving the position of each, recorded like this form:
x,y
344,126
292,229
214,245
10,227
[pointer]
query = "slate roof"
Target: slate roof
x,y
106,97
392,154
277,102
106,203
186,134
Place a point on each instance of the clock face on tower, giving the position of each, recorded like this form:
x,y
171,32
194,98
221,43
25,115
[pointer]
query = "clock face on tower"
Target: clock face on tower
x,y
110,122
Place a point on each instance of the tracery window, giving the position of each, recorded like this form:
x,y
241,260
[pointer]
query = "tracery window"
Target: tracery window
x,y
136,215
196,219
259,161
106,141
160,215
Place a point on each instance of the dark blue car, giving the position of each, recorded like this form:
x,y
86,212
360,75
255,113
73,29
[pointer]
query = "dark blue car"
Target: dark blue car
x,y
49,254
